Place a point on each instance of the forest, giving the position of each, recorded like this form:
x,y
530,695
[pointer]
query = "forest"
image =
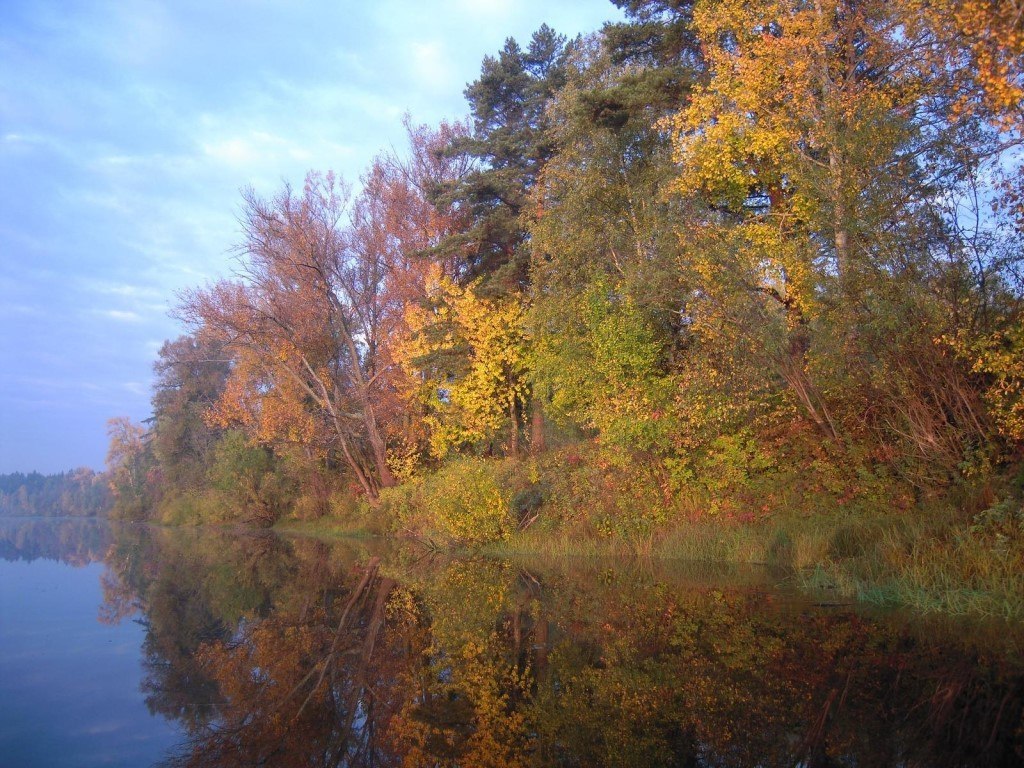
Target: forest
x,y
80,492
726,280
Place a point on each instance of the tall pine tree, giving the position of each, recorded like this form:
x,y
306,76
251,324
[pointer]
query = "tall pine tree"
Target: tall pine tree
x,y
509,146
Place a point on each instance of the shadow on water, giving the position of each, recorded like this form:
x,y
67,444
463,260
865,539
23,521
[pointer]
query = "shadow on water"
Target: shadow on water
x,y
289,652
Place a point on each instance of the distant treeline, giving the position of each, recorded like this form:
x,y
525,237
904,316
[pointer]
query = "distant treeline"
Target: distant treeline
x,y
79,492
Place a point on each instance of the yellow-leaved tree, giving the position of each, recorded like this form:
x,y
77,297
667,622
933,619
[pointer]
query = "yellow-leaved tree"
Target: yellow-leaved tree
x,y
982,43
812,153
466,357
780,143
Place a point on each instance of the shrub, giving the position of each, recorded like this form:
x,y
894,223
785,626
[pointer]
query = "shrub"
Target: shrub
x,y
246,481
467,504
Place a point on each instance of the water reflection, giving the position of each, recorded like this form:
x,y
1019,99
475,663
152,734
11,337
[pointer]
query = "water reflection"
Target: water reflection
x,y
69,686
75,542
293,652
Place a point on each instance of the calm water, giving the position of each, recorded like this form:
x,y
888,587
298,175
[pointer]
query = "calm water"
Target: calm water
x,y
137,647
70,685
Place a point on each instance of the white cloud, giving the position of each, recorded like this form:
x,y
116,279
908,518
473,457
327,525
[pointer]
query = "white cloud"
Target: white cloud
x,y
431,66
235,151
128,290
109,202
120,315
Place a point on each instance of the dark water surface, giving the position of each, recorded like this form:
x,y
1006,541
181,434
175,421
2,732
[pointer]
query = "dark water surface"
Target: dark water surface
x,y
253,649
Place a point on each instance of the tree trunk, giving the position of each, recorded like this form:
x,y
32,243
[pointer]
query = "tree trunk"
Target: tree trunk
x,y
831,98
840,236
356,467
792,370
377,445
380,458
513,414
537,445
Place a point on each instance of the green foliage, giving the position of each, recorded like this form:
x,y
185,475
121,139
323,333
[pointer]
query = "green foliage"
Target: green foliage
x,y
730,462
468,503
247,483
999,358
1002,523
187,508
190,376
604,370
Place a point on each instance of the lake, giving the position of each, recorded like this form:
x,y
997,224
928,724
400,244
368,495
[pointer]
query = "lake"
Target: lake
x,y
70,684
131,646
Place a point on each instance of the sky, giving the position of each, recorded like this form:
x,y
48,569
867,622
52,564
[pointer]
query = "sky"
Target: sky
x,y
127,130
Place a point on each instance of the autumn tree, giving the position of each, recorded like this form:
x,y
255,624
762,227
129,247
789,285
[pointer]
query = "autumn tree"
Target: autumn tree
x,y
606,285
980,43
817,146
468,356
396,224
304,323
129,460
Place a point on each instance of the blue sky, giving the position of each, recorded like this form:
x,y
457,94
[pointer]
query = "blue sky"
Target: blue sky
x,y
127,129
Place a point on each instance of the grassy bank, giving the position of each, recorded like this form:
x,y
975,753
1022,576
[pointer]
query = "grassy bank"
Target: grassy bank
x,y
913,561
958,551
329,528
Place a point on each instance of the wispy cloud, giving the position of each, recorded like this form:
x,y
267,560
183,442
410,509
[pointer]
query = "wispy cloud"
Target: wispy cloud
x,y
119,315
127,290
432,66
21,310
485,10
49,384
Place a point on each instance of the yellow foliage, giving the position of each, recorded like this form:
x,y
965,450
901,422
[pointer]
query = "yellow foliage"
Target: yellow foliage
x,y
788,117
468,355
466,714
403,459
982,40
1000,358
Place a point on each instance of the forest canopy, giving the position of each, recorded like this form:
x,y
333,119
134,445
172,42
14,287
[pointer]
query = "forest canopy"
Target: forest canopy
x,y
731,253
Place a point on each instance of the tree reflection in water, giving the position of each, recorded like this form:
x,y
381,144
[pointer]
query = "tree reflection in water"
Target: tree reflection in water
x,y
296,653
72,541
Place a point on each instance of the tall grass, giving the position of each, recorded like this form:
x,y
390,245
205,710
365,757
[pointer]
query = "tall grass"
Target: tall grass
x,y
944,557
932,563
